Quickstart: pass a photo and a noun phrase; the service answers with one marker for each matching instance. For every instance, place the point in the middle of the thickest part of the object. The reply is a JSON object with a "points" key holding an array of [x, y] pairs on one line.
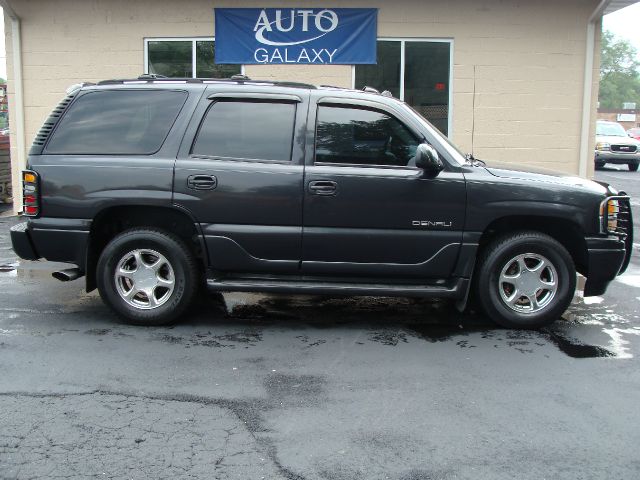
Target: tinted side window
{"points": [[247, 130], [362, 136], [133, 122]]}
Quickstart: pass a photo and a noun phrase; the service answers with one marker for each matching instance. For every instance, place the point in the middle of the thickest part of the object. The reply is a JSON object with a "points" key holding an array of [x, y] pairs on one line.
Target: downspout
{"points": [[18, 113], [585, 154]]}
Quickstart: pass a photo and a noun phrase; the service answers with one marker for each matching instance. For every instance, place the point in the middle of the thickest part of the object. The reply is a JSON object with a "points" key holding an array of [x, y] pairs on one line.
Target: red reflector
{"points": [[29, 199], [29, 210], [441, 87]]}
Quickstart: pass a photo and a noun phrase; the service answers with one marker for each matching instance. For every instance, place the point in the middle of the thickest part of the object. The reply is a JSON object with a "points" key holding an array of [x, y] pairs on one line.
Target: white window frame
{"points": [[193, 41], [403, 41]]}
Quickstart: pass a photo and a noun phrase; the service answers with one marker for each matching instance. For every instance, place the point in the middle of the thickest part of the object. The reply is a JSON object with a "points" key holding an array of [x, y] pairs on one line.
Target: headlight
{"points": [[613, 207], [603, 146]]}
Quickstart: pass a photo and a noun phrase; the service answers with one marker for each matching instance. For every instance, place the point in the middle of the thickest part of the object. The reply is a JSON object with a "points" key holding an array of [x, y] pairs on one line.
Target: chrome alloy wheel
{"points": [[144, 279], [528, 283]]}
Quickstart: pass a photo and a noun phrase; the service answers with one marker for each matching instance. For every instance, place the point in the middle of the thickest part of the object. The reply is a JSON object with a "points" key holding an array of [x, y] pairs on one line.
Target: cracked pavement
{"points": [[306, 388], [98, 434]]}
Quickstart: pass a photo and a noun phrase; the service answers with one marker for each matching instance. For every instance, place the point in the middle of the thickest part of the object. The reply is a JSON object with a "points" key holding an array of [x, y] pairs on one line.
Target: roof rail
{"points": [[240, 79], [150, 76], [370, 90]]}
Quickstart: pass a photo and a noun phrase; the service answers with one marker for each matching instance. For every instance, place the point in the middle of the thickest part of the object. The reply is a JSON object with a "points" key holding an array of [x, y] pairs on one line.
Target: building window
{"points": [[415, 71], [185, 58]]}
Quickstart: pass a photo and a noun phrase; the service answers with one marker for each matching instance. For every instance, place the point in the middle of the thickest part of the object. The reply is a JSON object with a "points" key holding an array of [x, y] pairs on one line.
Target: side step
{"points": [[455, 289]]}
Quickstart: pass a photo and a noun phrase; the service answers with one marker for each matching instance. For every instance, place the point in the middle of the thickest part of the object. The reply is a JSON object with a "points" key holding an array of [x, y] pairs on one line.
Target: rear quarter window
{"points": [[117, 122]]}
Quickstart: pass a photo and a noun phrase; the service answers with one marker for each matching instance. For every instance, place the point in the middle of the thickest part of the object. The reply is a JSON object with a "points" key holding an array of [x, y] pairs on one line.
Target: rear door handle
{"points": [[202, 182], [323, 187]]}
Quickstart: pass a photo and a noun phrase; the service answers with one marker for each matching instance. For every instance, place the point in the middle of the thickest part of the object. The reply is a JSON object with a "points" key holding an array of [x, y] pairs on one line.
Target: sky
{"points": [[624, 23]]}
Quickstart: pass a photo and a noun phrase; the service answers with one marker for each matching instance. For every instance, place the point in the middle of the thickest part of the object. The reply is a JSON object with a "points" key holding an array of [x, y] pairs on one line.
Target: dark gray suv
{"points": [[154, 187]]}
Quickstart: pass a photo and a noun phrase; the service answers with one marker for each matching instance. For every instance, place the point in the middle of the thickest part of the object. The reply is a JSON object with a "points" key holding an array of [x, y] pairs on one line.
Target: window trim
{"points": [[193, 40], [359, 106], [247, 99], [403, 41]]}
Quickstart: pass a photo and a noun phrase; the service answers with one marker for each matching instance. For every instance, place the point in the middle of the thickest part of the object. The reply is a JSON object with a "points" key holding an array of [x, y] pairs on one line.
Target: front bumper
{"points": [[22, 243], [606, 258], [617, 158]]}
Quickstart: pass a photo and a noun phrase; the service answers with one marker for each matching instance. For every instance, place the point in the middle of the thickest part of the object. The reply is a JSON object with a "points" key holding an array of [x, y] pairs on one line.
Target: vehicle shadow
{"points": [[243, 319], [392, 321]]}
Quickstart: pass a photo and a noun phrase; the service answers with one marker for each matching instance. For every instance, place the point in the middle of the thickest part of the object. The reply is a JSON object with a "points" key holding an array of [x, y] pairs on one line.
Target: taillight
{"points": [[30, 193]]}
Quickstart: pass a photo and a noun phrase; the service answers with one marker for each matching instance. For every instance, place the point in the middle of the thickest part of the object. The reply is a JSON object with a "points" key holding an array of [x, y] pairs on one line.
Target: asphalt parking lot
{"points": [[256, 386]]}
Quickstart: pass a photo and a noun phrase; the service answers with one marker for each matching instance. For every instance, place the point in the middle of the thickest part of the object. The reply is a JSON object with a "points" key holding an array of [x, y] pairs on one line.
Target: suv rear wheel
{"points": [[525, 280], [147, 276]]}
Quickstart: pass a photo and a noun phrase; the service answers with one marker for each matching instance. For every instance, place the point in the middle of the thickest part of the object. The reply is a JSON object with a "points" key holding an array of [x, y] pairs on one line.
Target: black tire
{"points": [[599, 165], [633, 167], [180, 259], [499, 254]]}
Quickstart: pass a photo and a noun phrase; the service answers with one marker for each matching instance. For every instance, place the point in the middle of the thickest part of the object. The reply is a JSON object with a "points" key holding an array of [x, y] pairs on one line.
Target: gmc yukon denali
{"points": [[152, 188]]}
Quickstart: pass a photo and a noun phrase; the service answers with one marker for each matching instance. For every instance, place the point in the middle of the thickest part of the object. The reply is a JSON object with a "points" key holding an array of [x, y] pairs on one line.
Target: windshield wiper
{"points": [[473, 161]]}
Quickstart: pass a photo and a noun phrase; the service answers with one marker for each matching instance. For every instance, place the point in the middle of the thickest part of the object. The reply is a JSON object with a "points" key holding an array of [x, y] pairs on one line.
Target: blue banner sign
{"points": [[316, 36]]}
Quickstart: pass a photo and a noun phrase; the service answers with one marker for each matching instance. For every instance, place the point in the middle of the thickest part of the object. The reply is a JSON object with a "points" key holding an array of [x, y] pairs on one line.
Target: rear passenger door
{"points": [[239, 173]]}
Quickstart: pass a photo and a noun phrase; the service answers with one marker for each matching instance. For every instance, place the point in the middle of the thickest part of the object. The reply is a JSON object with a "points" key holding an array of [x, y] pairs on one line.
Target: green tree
{"points": [[619, 72]]}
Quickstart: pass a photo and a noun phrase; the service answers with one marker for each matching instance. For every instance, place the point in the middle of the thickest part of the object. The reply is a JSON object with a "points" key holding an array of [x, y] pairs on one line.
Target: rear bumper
{"points": [[606, 258], [21, 242], [57, 240]]}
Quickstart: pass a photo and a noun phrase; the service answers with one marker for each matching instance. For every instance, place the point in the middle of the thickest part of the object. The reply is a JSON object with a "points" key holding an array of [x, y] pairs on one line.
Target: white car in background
{"points": [[613, 145]]}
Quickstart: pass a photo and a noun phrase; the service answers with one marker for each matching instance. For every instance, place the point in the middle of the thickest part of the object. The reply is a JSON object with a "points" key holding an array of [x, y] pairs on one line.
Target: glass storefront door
{"points": [[415, 71]]}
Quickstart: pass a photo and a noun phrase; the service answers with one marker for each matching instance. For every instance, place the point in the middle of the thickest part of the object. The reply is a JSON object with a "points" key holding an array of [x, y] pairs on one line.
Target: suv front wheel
{"points": [[147, 276], [525, 280]]}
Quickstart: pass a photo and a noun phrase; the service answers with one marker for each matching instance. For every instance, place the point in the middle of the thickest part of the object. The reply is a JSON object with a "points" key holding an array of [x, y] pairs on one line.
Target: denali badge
{"points": [[429, 223]]}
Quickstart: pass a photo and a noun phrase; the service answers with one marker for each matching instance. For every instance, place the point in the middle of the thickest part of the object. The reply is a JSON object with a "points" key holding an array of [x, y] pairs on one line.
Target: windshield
{"points": [[444, 141], [610, 130]]}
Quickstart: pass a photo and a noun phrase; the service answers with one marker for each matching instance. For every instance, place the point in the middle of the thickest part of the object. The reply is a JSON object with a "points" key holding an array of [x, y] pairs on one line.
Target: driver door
{"points": [[368, 211]]}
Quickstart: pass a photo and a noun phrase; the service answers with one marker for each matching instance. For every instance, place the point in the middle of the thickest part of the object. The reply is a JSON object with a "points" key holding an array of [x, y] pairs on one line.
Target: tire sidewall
{"points": [[489, 282], [151, 240]]}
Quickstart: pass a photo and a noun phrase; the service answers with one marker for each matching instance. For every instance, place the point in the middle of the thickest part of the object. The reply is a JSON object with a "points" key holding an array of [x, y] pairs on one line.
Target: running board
{"points": [[456, 288]]}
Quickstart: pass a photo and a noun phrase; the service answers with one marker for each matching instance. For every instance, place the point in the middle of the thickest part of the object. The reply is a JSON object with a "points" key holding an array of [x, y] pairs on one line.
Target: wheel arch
{"points": [[113, 220], [567, 232]]}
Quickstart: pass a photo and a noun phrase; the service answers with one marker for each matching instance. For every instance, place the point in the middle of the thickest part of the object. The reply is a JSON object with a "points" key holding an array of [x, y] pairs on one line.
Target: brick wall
{"points": [[524, 60]]}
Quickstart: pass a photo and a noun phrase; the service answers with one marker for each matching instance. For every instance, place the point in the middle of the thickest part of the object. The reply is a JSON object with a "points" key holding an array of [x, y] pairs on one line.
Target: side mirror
{"points": [[428, 161]]}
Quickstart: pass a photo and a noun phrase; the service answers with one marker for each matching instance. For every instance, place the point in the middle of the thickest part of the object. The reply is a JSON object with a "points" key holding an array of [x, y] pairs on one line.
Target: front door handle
{"points": [[323, 187], [202, 182]]}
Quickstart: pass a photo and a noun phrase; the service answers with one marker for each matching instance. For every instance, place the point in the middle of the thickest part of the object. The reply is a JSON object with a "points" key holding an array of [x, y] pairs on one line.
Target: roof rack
{"points": [[370, 90], [150, 76], [240, 79]]}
